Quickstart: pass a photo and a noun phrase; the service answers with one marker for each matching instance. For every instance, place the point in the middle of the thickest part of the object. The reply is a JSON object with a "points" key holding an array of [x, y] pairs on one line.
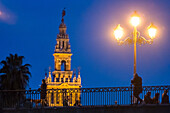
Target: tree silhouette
{"points": [[14, 76]]}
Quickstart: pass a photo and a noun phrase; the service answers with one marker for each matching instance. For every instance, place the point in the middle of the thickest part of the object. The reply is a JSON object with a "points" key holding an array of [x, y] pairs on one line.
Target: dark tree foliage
{"points": [[13, 76]]}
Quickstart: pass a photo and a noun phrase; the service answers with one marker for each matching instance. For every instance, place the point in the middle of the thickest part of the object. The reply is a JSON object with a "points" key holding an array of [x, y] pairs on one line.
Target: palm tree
{"points": [[14, 75]]}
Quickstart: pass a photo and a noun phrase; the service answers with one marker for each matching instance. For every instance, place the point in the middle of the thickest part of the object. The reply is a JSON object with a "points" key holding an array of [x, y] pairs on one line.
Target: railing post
{"points": [[30, 96]]}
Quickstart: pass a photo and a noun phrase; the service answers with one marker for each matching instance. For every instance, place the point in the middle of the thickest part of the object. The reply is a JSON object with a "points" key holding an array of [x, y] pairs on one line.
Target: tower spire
{"points": [[49, 77], [78, 71], [74, 72], [79, 78], [63, 45]]}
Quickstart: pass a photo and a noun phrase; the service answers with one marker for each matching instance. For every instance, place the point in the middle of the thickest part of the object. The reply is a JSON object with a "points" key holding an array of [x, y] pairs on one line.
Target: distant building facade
{"points": [[62, 77]]}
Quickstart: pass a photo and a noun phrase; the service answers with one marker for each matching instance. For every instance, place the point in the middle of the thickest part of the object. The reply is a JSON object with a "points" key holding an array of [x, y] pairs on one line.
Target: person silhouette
{"points": [[165, 97], [43, 92], [155, 99], [137, 83], [147, 98]]}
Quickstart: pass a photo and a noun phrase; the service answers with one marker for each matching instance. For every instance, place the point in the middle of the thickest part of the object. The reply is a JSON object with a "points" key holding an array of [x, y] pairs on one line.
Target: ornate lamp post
{"points": [[135, 38]]}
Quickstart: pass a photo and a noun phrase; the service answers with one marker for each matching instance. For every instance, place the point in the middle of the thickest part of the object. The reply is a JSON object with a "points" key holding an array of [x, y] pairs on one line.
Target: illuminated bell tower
{"points": [[62, 56], [61, 77]]}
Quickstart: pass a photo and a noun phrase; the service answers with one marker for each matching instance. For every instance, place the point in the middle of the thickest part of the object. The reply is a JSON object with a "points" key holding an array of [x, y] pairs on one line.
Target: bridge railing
{"points": [[85, 96], [106, 96]]}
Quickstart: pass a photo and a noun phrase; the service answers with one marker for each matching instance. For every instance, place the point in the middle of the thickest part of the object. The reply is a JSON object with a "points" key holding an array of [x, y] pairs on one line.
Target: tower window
{"points": [[71, 98], [76, 97], [63, 44], [67, 45], [52, 98], [62, 80], [63, 65], [62, 31], [59, 44], [57, 97], [66, 79], [57, 79]]}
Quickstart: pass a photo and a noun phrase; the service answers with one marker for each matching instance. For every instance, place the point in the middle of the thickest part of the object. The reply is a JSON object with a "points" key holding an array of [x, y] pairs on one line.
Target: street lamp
{"points": [[118, 32], [135, 19], [135, 38]]}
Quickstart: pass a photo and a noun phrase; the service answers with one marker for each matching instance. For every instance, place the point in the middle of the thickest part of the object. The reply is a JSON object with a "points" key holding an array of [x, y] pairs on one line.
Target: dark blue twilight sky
{"points": [[29, 28]]}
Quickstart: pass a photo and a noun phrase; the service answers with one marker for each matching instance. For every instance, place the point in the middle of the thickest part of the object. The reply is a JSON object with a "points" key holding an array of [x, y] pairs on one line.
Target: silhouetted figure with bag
{"points": [[147, 98], [155, 99], [43, 92], [137, 83], [165, 97]]}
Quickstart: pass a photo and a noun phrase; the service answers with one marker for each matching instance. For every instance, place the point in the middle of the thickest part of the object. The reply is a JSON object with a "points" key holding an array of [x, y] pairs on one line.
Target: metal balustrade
{"points": [[88, 96]]}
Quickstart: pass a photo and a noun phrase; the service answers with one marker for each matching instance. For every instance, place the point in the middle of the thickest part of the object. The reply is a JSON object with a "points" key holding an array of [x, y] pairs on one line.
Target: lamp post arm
{"points": [[142, 41], [128, 41]]}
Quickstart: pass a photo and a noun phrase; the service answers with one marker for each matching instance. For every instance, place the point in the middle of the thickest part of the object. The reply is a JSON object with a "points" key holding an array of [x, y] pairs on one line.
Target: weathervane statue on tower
{"points": [[63, 14]]}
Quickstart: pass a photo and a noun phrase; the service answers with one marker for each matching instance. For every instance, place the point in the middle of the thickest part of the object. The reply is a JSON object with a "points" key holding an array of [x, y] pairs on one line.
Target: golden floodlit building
{"points": [[62, 77]]}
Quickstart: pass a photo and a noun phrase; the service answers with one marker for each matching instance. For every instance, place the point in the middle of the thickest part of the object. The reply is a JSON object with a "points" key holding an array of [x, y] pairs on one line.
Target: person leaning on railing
{"points": [[147, 98], [137, 82], [165, 97], [155, 99]]}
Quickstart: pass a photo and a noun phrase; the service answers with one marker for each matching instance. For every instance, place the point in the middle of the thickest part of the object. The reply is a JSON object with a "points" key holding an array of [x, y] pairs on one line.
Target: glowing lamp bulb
{"points": [[118, 32], [135, 19], [152, 31]]}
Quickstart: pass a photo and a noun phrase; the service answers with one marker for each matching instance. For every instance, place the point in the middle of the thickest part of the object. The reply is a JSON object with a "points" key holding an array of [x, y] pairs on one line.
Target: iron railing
{"points": [[86, 96]]}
